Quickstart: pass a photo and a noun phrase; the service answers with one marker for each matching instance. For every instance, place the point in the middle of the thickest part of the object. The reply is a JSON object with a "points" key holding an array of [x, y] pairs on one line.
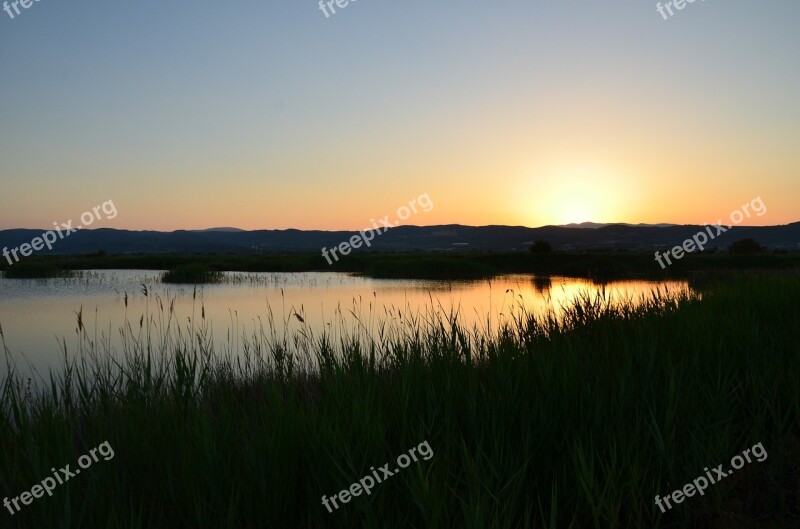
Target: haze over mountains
{"points": [[447, 238]]}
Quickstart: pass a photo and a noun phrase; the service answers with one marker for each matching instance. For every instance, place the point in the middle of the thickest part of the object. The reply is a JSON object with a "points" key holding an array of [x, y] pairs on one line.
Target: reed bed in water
{"points": [[573, 420]]}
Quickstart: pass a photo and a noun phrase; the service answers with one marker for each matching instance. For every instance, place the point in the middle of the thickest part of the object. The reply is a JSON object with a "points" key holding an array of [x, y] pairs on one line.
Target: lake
{"points": [[40, 317]]}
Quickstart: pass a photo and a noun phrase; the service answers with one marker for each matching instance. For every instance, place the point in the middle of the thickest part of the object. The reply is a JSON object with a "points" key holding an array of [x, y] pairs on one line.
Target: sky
{"points": [[270, 115]]}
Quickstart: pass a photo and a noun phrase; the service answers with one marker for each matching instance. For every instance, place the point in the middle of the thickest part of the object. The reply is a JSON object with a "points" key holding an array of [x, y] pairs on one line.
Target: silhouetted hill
{"points": [[452, 237], [226, 229], [595, 225]]}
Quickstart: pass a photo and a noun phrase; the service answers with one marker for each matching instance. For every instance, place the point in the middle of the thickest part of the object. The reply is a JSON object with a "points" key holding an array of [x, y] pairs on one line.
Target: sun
{"points": [[572, 195], [577, 210], [574, 201]]}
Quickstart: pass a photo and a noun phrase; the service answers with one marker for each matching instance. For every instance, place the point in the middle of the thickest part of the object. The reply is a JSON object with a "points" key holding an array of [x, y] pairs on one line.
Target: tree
{"points": [[541, 247], [746, 246]]}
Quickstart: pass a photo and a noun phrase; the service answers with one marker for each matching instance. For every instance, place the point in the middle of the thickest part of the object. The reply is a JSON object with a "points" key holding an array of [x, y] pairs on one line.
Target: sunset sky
{"points": [[268, 115]]}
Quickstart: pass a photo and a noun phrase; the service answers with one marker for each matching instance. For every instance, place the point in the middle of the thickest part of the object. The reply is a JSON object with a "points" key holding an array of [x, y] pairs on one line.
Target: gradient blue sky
{"points": [[268, 115]]}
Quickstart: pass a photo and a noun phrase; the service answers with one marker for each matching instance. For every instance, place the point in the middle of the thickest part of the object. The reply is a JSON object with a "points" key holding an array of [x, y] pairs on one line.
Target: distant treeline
{"points": [[601, 265]]}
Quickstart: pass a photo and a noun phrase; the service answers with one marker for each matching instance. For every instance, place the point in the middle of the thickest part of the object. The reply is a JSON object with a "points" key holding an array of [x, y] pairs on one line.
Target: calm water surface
{"points": [[39, 316]]}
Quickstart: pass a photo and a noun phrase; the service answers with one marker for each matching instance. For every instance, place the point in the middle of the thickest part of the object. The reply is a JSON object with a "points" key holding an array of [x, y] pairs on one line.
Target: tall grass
{"points": [[191, 274], [35, 270], [556, 421], [423, 265]]}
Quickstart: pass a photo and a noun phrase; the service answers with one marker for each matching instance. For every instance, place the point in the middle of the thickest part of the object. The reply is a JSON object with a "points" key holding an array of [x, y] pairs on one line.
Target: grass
{"points": [[35, 269], [405, 266], [574, 422], [597, 265], [193, 273]]}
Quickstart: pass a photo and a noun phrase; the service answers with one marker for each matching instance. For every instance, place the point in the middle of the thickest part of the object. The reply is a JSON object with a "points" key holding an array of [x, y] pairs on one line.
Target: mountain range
{"points": [[453, 237]]}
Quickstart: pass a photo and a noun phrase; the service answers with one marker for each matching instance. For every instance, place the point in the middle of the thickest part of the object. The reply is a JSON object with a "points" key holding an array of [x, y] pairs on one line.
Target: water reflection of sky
{"points": [[39, 315]]}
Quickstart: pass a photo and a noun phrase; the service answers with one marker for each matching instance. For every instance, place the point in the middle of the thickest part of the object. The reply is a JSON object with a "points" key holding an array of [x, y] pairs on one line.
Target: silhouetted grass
{"points": [[192, 274], [35, 269], [574, 422], [595, 265], [428, 267]]}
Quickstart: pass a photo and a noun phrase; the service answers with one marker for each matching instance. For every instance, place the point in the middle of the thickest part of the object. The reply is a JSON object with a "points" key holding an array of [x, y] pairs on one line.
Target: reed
{"points": [[191, 274], [574, 419]]}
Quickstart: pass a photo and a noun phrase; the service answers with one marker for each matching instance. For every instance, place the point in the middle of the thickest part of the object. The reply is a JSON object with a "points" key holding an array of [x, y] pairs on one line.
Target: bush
{"points": [[541, 247], [746, 246]]}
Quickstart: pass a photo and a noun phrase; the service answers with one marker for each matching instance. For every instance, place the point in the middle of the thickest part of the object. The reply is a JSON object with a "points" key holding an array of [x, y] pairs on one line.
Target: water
{"points": [[39, 317]]}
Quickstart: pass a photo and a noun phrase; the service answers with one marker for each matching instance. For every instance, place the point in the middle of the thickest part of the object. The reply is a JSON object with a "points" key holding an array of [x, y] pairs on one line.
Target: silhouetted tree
{"points": [[541, 247], [542, 284], [746, 246]]}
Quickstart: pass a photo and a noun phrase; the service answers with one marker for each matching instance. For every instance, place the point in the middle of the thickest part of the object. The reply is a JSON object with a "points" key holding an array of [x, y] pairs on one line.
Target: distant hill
{"points": [[595, 225], [219, 229], [452, 237]]}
